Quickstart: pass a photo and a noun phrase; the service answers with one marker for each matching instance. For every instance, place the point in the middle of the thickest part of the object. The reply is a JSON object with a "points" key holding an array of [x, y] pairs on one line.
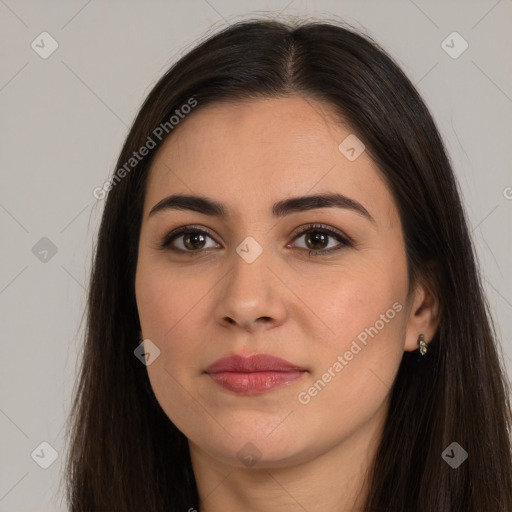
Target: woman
{"points": [[285, 311]]}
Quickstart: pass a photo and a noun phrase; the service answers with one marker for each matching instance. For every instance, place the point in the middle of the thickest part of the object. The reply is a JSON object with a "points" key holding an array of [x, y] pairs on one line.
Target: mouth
{"points": [[255, 374]]}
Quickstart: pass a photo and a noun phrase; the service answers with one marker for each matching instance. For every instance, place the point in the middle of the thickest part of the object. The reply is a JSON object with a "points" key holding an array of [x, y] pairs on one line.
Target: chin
{"points": [[252, 450]]}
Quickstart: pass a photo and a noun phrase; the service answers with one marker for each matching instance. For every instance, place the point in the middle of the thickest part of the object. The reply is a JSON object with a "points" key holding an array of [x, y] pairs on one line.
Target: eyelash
{"points": [[344, 240]]}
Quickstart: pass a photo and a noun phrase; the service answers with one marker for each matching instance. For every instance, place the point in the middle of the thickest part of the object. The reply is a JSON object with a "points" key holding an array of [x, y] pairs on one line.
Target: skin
{"points": [[305, 309]]}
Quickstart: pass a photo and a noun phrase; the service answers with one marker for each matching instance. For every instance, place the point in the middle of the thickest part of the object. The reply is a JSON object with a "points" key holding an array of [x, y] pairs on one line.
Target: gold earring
{"points": [[423, 345]]}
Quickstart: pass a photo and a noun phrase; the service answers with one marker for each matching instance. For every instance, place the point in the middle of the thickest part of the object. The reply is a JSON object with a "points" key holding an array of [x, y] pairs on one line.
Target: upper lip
{"points": [[254, 363]]}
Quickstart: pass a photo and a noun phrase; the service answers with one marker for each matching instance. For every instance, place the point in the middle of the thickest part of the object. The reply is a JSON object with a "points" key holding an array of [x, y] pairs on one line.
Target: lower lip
{"points": [[255, 382]]}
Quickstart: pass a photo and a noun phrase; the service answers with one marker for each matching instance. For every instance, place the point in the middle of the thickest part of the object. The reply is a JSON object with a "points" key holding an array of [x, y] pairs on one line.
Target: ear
{"points": [[424, 314]]}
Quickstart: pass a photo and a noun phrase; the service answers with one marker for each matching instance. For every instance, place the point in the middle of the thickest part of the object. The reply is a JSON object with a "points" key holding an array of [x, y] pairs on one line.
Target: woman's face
{"points": [[243, 283]]}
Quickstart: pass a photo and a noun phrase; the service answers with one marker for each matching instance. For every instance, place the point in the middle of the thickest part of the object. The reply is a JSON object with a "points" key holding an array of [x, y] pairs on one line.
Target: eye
{"points": [[188, 239], [316, 238]]}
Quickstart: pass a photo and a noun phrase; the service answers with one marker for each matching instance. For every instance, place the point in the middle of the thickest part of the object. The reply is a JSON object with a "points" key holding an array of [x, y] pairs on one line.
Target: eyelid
{"points": [[185, 229], [343, 239], [324, 228]]}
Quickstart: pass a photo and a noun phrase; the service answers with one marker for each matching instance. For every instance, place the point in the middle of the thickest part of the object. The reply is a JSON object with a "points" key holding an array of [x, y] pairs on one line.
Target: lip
{"points": [[255, 374]]}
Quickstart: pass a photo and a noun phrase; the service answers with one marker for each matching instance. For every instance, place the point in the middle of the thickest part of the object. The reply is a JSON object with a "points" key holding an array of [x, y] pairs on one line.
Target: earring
{"points": [[422, 344]]}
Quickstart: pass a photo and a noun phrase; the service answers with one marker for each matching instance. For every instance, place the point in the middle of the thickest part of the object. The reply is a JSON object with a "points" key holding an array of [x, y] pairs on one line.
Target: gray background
{"points": [[63, 120]]}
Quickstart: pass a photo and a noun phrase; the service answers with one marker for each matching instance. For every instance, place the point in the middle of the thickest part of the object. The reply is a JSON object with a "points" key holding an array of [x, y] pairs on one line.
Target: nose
{"points": [[251, 297]]}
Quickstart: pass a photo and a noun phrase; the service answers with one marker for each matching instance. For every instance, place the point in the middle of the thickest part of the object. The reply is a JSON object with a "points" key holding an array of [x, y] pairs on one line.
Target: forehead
{"points": [[252, 131], [264, 148]]}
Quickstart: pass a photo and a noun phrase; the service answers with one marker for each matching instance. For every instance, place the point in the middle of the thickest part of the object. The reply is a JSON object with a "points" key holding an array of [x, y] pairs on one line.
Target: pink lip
{"points": [[254, 374]]}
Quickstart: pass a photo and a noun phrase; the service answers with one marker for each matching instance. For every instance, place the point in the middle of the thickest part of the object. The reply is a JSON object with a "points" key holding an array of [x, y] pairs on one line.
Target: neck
{"points": [[334, 480]]}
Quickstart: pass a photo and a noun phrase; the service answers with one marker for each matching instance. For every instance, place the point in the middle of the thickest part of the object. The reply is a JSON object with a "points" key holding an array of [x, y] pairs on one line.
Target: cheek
{"points": [[165, 299], [168, 306], [167, 303], [365, 298], [365, 306], [356, 366]]}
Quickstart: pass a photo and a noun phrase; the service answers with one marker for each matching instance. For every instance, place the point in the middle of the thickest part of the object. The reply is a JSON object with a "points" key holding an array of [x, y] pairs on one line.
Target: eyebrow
{"points": [[282, 208]]}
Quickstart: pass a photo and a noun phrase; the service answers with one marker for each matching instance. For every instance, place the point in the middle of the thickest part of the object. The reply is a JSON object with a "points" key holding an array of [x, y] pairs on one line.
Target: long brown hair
{"points": [[126, 455]]}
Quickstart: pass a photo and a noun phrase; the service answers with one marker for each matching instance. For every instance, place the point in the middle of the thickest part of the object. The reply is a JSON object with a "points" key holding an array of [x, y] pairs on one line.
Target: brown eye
{"points": [[316, 240], [188, 240], [194, 241], [319, 239]]}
